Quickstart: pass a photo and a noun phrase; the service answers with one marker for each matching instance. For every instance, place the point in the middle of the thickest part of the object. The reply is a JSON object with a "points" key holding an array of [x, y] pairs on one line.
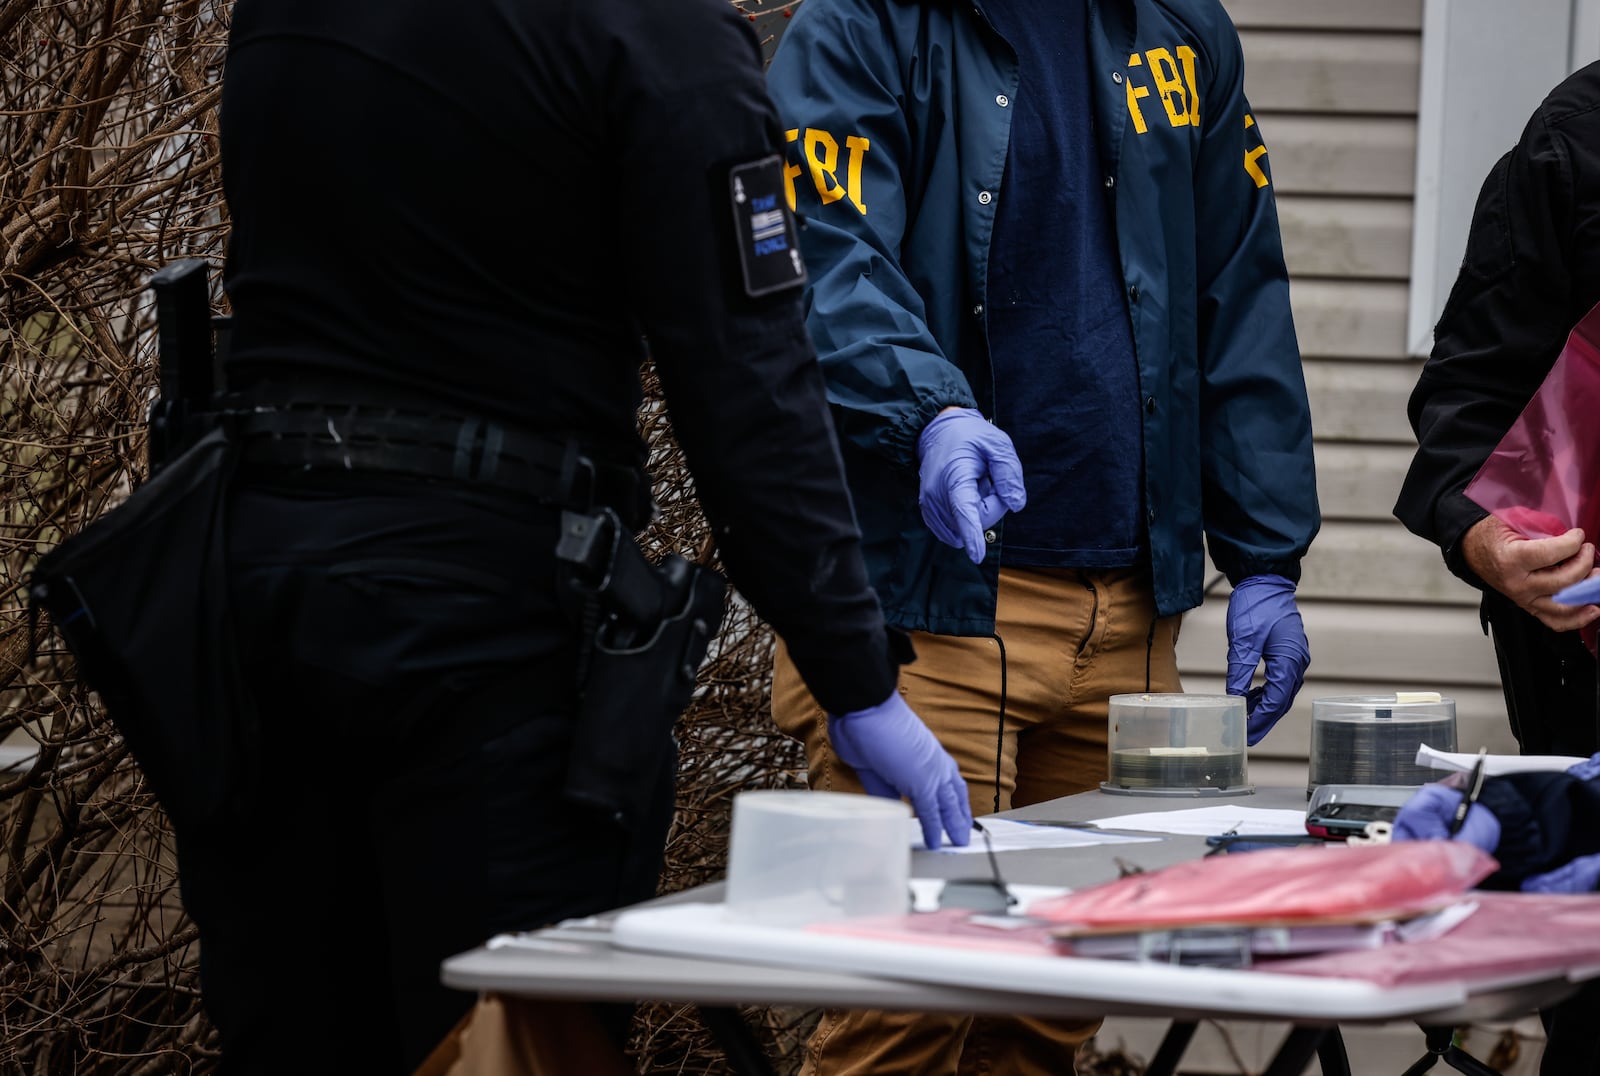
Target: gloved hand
{"points": [[896, 756], [1264, 622], [970, 476], [1586, 770], [1581, 875], [1427, 815]]}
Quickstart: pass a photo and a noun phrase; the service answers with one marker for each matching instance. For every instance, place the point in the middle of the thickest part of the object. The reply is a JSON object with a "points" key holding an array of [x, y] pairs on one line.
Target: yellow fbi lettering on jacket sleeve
{"points": [[822, 157], [1253, 155]]}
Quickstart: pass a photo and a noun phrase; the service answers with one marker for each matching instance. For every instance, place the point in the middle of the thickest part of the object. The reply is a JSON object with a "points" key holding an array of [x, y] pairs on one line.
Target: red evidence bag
{"points": [[1543, 478], [1277, 887]]}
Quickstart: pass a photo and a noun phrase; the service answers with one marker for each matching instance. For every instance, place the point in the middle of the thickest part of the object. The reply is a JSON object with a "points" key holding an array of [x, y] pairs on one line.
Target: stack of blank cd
{"points": [[1373, 739], [1176, 744]]}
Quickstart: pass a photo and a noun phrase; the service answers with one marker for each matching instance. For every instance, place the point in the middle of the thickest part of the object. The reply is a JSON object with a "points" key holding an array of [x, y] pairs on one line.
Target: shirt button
{"points": [[991, 536], [1133, 293], [1002, 100], [1116, 76], [1111, 181], [984, 197], [977, 311], [1150, 404], [1151, 515]]}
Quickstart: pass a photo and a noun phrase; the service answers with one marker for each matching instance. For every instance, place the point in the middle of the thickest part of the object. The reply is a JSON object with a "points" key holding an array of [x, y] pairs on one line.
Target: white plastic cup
{"points": [[806, 857]]}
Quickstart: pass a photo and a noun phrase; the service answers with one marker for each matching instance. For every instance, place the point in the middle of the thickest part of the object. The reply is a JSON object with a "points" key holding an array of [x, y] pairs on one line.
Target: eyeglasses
{"points": [[986, 896]]}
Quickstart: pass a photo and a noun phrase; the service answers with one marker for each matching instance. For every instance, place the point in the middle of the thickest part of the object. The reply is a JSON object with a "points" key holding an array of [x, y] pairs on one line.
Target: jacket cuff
{"points": [[856, 673], [1241, 570], [1454, 517], [901, 438]]}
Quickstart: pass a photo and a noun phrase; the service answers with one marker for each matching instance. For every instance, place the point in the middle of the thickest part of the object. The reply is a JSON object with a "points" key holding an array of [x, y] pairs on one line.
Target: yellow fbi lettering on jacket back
{"points": [[822, 154]]}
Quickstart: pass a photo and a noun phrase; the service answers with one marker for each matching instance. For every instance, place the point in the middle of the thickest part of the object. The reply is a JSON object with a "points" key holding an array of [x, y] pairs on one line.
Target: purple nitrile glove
{"points": [[896, 756], [1427, 815], [1263, 622], [1579, 876], [1587, 770], [1586, 592], [970, 477]]}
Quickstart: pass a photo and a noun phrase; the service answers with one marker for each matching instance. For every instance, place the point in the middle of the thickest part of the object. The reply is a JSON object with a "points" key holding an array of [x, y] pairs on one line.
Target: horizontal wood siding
{"points": [[1332, 72], [1346, 238], [1365, 15], [1344, 155], [1334, 86], [1432, 647], [1360, 401], [1353, 319], [1359, 482], [1379, 562]]}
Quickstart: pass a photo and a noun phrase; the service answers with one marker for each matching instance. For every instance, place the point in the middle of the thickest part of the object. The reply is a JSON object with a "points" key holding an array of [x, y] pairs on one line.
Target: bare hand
{"points": [[1529, 570]]}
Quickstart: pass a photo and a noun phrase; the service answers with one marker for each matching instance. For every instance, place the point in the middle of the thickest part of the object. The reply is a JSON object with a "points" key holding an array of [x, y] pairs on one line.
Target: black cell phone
{"points": [[1347, 818], [1340, 812]]}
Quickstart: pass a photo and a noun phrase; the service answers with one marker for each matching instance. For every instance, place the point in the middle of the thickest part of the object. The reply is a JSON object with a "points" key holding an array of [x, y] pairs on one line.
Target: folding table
{"points": [[677, 949]]}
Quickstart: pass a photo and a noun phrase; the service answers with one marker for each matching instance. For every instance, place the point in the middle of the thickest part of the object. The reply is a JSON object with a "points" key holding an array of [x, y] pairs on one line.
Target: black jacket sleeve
{"points": [[688, 101], [1524, 283], [1546, 820]]}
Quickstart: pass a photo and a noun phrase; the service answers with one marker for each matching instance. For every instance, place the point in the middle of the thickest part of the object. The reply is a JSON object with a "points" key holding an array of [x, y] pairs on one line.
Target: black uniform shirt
{"points": [[492, 201], [1531, 271]]}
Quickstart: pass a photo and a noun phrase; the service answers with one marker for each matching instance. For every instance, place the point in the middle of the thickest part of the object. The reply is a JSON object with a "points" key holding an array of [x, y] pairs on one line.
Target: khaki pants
{"points": [[1066, 640]]}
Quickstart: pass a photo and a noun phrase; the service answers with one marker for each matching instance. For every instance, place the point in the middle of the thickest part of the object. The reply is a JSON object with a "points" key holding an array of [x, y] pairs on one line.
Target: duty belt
{"points": [[468, 451]]}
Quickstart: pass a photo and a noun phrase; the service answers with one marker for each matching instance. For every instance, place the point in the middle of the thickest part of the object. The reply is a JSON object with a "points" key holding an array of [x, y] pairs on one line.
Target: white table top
{"points": [[670, 946]]}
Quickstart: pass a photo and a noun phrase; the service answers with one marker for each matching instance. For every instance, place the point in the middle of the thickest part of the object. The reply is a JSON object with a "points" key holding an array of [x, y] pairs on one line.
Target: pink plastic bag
{"points": [[1510, 936], [1543, 478], [1285, 886]]}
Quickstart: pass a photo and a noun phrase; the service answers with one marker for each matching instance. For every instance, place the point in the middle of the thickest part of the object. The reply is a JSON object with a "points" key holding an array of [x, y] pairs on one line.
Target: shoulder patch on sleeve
{"points": [[764, 228]]}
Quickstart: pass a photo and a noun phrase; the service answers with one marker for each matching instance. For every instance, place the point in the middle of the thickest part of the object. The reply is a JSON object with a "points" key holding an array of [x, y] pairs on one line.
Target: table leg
{"points": [[738, 1042], [1170, 1052], [1301, 1045], [1442, 1047], [1335, 1062]]}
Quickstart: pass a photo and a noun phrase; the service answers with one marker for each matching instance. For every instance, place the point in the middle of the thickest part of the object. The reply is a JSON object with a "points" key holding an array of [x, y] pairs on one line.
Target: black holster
{"points": [[140, 596], [643, 631]]}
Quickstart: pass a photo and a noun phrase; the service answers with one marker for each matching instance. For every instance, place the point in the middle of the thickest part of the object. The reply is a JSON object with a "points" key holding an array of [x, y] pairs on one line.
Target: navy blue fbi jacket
{"points": [[612, 175], [898, 114]]}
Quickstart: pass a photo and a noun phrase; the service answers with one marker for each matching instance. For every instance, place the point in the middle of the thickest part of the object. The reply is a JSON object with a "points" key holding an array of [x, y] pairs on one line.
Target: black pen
{"points": [[1470, 796]]}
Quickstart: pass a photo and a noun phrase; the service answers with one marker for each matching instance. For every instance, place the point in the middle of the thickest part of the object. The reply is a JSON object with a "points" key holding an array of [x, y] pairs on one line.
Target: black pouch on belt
{"points": [[644, 630], [140, 598]]}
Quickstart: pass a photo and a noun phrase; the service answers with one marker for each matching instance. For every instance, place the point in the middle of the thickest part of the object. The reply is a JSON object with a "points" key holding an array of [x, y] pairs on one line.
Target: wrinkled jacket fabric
{"points": [[898, 117], [1531, 270], [1546, 820]]}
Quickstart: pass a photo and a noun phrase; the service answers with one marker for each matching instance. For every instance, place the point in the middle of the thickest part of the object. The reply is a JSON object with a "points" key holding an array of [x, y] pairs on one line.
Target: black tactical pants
{"points": [[414, 683], [1549, 682]]}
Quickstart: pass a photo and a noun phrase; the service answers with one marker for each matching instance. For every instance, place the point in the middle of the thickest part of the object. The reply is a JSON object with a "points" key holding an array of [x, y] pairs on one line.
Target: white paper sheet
{"points": [[1494, 765], [1011, 836], [1211, 821]]}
